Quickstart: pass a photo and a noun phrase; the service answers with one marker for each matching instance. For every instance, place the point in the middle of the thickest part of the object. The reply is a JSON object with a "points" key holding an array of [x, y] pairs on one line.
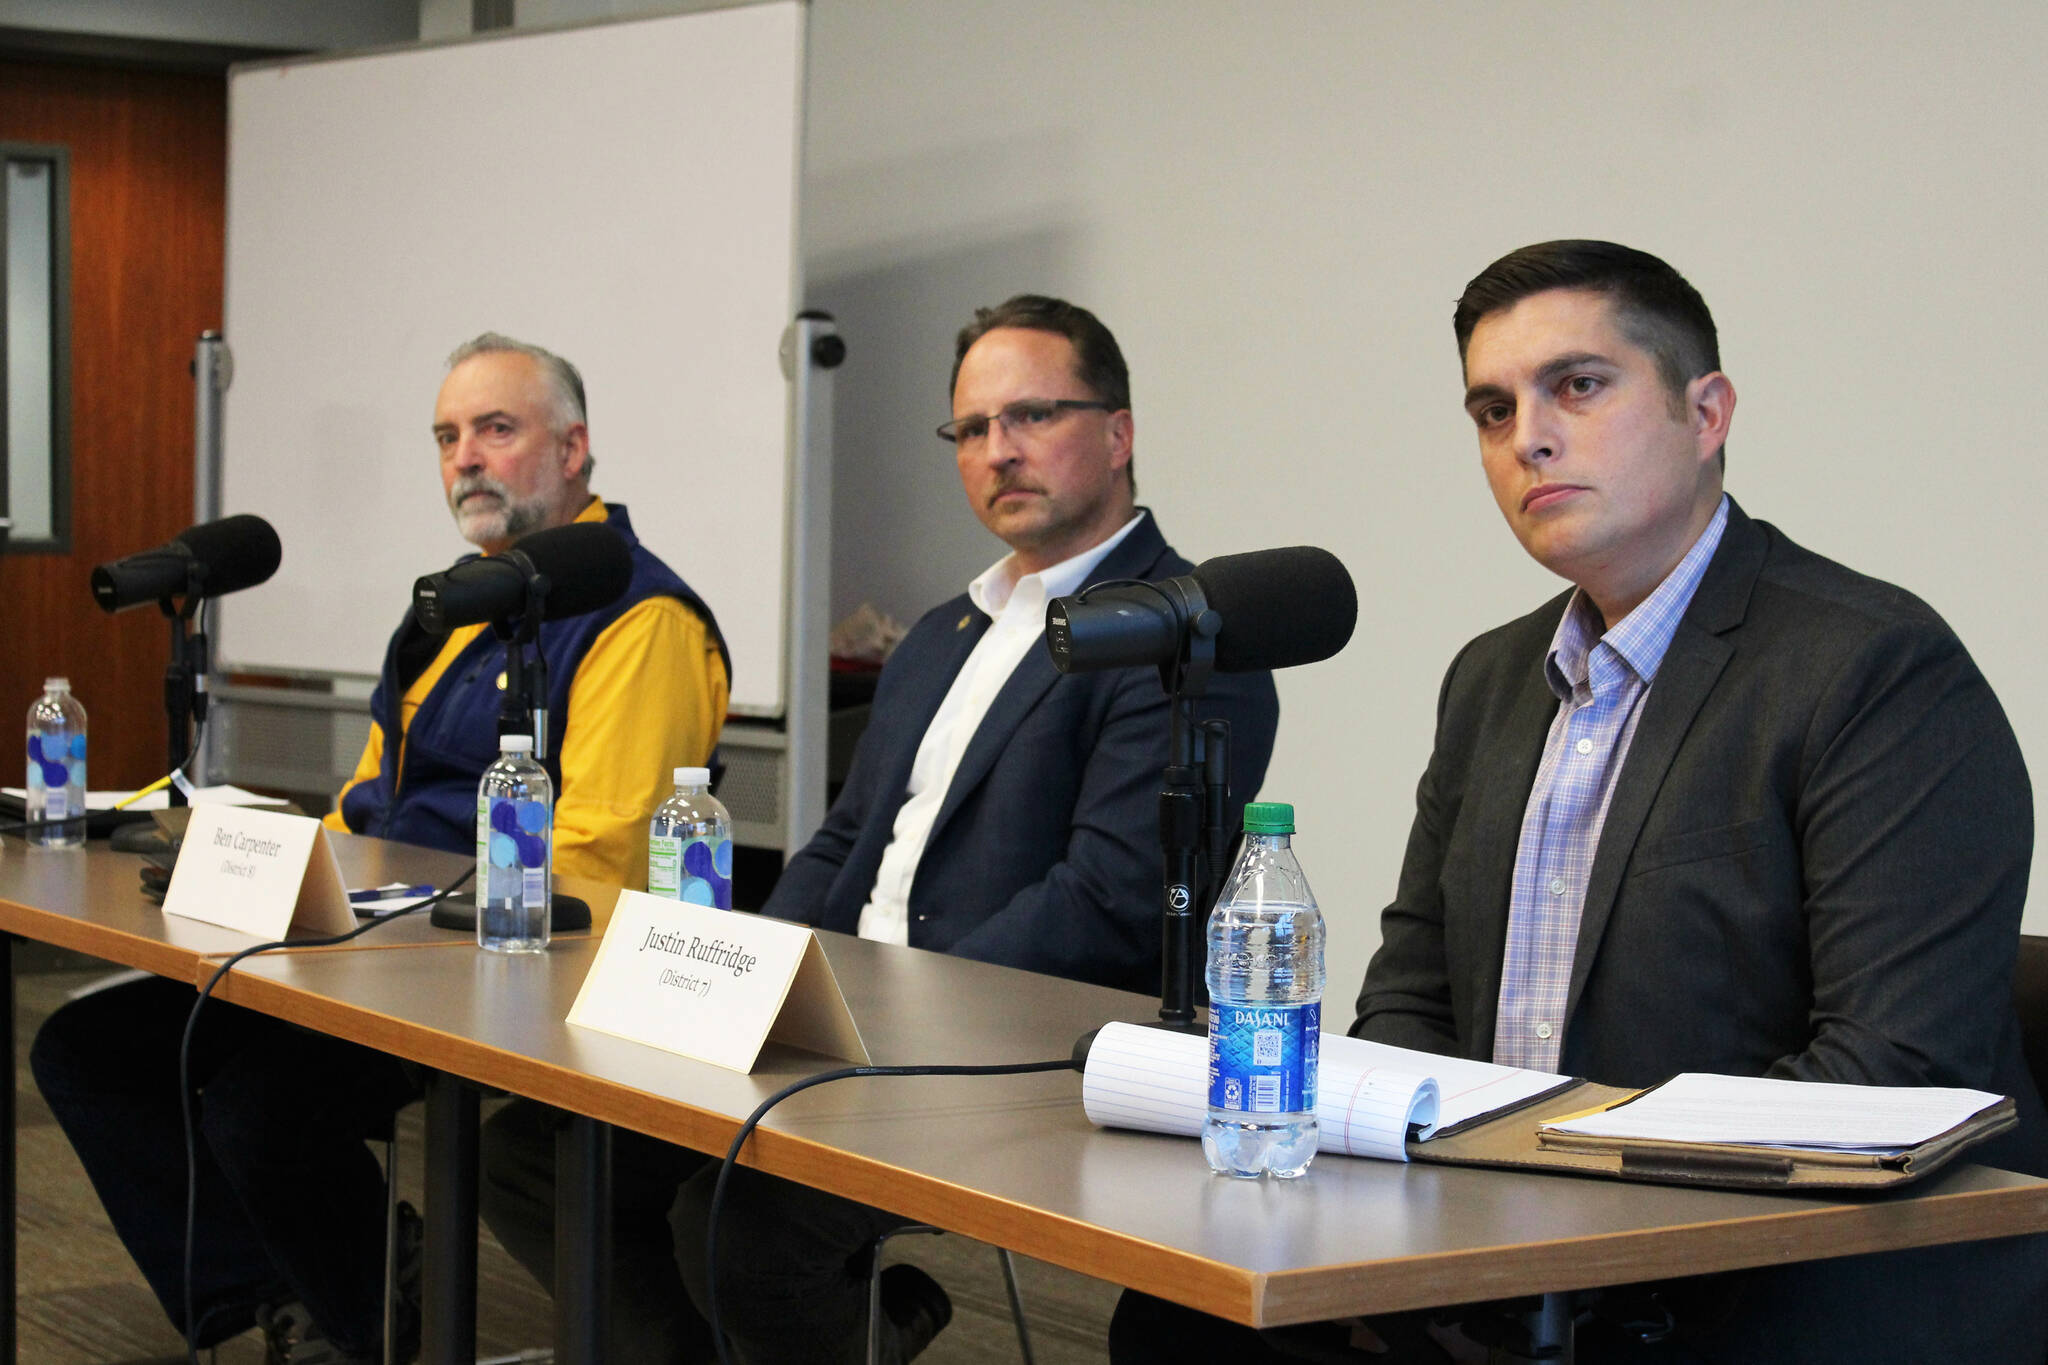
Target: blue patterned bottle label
{"points": [[514, 847], [695, 870], [1262, 1058]]}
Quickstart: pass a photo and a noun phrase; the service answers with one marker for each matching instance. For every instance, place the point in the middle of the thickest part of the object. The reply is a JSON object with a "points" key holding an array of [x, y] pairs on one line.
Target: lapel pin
{"points": [[964, 620]]}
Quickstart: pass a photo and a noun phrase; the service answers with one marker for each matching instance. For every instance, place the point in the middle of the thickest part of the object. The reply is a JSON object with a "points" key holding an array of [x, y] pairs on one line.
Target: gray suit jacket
{"points": [[1813, 864]]}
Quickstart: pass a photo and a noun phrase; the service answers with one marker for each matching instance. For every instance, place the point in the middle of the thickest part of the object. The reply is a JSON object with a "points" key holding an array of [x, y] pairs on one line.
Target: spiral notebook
{"points": [[1735, 1132]]}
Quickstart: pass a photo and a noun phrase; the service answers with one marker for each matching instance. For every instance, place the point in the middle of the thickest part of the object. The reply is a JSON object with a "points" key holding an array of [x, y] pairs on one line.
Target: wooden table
{"points": [[1012, 1160], [89, 899], [1008, 1160]]}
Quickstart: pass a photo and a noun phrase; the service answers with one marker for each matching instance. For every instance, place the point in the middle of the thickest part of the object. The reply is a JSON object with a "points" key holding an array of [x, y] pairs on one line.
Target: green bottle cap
{"points": [[1269, 817]]}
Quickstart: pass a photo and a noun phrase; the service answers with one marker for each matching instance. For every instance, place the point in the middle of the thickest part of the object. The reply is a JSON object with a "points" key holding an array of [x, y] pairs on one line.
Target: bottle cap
{"points": [[516, 744], [56, 684], [693, 777], [1269, 817]]}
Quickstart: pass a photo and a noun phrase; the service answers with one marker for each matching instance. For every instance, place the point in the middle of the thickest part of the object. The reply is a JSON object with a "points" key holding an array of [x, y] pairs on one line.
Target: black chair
{"points": [[875, 1291], [2030, 999]]}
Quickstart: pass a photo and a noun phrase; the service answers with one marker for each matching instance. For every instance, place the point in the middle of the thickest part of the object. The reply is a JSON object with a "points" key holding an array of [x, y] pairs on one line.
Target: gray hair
{"points": [[565, 385]]}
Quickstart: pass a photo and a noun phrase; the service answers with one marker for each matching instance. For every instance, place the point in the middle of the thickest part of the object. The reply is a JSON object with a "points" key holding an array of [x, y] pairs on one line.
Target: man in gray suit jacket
{"points": [[1726, 806]]}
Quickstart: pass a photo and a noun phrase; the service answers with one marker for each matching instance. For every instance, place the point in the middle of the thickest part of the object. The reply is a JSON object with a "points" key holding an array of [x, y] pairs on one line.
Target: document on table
{"points": [[1760, 1111], [1370, 1098], [161, 800]]}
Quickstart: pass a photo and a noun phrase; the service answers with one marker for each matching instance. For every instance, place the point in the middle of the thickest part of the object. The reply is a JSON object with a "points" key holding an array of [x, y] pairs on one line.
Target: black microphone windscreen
{"points": [[213, 558], [238, 552], [1280, 608], [588, 565]]}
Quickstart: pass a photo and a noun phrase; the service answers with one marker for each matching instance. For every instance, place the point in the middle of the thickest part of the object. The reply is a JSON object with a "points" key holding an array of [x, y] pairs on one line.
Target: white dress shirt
{"points": [[1015, 606]]}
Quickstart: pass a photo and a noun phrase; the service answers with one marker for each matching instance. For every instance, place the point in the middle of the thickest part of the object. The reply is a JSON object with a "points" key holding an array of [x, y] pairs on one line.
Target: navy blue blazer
{"points": [[1045, 854]]}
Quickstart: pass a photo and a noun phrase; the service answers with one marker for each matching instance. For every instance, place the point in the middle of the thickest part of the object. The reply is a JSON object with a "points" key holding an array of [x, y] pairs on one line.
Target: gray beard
{"points": [[507, 520]]}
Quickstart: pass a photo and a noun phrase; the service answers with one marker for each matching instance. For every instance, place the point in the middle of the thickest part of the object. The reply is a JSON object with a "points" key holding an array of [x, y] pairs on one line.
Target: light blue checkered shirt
{"points": [[1600, 685]]}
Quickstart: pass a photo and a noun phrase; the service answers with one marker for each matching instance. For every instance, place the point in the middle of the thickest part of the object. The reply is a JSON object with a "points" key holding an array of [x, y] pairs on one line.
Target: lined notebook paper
{"points": [[1370, 1098]]}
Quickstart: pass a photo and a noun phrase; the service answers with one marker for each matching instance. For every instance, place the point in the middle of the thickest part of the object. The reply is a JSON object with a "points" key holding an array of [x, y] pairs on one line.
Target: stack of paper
{"points": [[1370, 1098], [1756, 1111]]}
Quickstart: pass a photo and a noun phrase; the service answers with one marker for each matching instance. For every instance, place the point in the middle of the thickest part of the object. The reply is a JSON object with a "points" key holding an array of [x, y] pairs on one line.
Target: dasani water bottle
{"points": [[515, 807], [56, 766], [1265, 1006]]}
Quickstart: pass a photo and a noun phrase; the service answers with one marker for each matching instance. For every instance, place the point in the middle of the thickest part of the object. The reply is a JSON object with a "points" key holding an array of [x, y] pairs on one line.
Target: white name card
{"points": [[713, 985], [258, 871]]}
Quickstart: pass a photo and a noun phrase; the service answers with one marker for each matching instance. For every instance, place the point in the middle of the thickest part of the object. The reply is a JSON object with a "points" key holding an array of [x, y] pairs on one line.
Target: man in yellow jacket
{"points": [[289, 1227]]}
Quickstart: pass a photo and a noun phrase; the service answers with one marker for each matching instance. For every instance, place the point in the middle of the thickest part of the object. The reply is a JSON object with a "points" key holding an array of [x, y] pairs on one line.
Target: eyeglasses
{"points": [[1025, 417]]}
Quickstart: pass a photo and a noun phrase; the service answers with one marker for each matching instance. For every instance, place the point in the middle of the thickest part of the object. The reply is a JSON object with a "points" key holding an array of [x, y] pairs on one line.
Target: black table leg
{"points": [[448, 1293], [583, 1241]]}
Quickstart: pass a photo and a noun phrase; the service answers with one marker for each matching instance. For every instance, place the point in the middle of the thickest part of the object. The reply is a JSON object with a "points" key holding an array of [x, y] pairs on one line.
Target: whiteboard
{"points": [[623, 194]]}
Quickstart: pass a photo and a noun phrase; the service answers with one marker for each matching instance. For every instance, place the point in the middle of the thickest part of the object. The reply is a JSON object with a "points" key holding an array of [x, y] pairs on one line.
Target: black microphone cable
{"points": [[25, 826], [185, 1069], [732, 1153]]}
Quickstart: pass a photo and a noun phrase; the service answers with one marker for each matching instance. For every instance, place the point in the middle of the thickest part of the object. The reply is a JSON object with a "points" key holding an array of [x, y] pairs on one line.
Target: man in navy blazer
{"points": [[1726, 806], [996, 809], [1044, 852]]}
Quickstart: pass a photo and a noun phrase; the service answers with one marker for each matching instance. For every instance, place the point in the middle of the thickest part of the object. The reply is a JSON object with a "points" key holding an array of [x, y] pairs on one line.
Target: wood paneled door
{"points": [[148, 161]]}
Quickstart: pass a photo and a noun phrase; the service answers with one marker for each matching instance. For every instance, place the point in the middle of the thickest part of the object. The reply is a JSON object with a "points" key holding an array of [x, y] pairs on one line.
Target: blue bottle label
{"points": [[513, 844], [1262, 1058], [695, 870]]}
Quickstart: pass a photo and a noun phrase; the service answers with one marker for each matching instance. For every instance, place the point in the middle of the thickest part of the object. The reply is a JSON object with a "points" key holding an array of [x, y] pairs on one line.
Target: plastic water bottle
{"points": [[56, 765], [515, 816], [689, 844], [1265, 1007]]}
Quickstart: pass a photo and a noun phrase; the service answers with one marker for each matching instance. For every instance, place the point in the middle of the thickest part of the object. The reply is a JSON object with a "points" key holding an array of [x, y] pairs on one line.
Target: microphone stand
{"points": [[184, 675], [184, 707], [524, 711], [1194, 799], [525, 708]]}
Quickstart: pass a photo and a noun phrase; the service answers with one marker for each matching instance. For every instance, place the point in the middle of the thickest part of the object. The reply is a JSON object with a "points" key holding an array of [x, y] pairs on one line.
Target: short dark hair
{"points": [[1098, 361], [1655, 306]]}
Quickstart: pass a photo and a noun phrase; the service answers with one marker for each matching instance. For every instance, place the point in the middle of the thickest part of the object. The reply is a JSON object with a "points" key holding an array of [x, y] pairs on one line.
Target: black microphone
{"points": [[572, 569], [209, 560], [1267, 609], [1280, 608]]}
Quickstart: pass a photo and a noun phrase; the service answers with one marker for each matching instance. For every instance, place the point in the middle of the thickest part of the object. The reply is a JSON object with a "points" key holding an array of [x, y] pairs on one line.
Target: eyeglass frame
{"points": [[949, 431]]}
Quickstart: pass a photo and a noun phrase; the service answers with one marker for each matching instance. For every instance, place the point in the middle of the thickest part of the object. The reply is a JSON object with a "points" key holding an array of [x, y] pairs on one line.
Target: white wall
{"points": [[1274, 206]]}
